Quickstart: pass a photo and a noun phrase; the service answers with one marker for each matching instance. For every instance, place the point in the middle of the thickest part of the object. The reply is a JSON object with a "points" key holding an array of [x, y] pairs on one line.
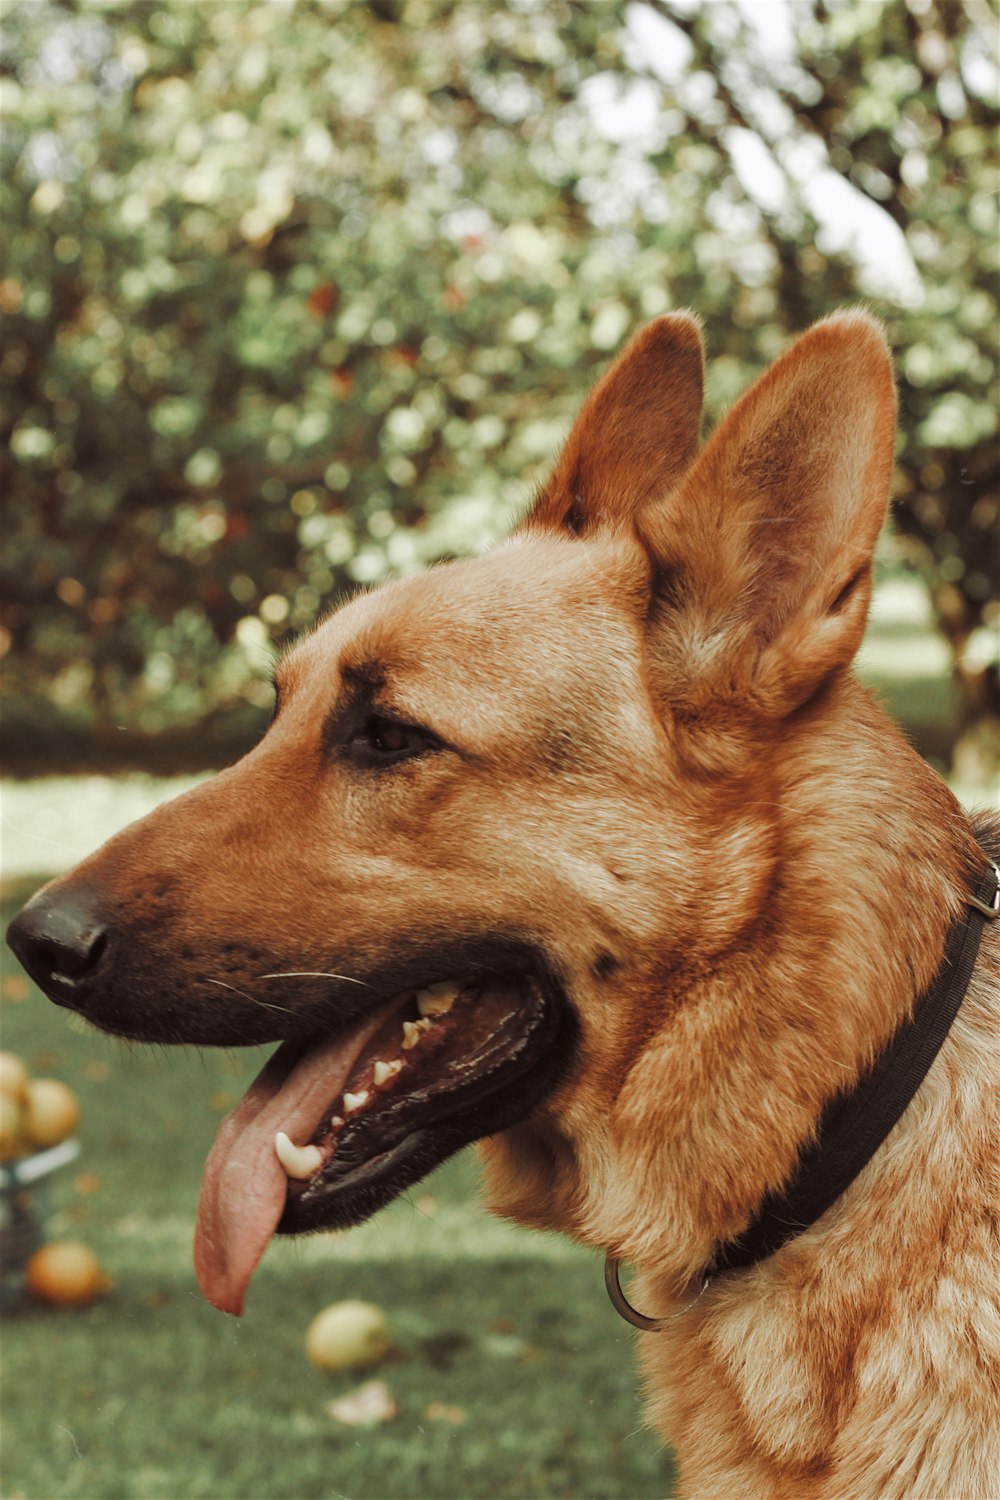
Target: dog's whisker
{"points": [[267, 1004], [315, 974], [224, 986]]}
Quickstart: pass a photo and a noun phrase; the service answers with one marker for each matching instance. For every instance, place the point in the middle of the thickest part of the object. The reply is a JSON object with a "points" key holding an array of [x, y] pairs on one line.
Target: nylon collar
{"points": [[854, 1125]]}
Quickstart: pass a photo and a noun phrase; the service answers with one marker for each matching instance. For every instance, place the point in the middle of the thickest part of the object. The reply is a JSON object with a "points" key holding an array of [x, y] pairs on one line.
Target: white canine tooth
{"points": [[355, 1101], [412, 1032], [299, 1162], [386, 1070], [437, 999]]}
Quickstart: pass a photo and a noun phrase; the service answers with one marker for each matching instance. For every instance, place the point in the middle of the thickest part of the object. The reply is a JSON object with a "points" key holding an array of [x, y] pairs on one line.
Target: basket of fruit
{"points": [[37, 1119]]}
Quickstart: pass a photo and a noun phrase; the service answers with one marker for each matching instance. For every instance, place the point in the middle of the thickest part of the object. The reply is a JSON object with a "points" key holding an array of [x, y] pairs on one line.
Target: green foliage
{"points": [[302, 295]]}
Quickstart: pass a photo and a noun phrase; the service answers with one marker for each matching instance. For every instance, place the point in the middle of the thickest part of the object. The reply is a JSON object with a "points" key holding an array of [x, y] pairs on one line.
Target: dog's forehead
{"points": [[523, 606]]}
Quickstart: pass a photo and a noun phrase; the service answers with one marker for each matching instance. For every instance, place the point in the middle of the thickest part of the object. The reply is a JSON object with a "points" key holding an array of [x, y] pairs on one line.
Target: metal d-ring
{"points": [[620, 1302], [623, 1306], [992, 908]]}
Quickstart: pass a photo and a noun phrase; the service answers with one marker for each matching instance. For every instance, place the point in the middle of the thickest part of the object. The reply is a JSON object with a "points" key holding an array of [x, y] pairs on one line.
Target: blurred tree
{"points": [[298, 295]]}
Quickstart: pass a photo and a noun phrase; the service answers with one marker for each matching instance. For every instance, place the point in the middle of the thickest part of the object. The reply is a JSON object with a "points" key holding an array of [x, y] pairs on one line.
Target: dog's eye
{"points": [[389, 737], [381, 741]]}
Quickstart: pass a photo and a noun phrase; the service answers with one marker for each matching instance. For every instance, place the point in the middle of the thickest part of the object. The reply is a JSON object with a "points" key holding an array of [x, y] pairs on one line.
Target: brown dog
{"points": [[593, 846]]}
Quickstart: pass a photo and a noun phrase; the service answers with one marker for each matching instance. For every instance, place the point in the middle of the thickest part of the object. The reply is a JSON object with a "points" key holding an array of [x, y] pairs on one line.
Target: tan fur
{"points": [[664, 775]]}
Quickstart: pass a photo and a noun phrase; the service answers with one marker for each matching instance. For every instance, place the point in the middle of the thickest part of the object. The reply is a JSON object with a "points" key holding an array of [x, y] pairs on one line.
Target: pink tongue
{"points": [[243, 1185]]}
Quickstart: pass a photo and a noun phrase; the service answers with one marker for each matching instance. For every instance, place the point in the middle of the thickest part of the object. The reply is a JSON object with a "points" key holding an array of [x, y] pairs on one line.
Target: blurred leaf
{"points": [[297, 300]]}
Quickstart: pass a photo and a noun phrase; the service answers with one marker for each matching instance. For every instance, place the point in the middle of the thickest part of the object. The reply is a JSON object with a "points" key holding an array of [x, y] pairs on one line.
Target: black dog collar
{"points": [[854, 1125]]}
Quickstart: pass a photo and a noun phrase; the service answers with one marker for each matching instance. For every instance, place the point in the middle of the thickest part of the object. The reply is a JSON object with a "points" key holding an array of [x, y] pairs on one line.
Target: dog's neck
{"points": [[875, 863], [872, 864], [854, 1125]]}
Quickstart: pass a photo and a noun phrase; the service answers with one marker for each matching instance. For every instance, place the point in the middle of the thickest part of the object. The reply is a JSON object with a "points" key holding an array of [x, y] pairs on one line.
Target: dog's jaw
{"points": [[480, 1057]]}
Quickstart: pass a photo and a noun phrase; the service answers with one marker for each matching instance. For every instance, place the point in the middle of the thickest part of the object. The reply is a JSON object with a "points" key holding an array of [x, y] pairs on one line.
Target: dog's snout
{"points": [[60, 939]]}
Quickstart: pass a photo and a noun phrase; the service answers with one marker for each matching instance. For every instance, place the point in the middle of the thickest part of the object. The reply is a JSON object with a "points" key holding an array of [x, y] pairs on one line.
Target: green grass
{"points": [[149, 1394]]}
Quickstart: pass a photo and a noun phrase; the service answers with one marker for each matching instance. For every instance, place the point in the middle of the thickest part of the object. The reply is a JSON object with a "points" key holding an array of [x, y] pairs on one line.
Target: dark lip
{"points": [[143, 994], [360, 1180]]}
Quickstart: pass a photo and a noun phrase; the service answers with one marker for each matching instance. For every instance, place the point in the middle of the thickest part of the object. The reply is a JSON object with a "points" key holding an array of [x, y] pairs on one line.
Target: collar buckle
{"points": [[991, 909]]}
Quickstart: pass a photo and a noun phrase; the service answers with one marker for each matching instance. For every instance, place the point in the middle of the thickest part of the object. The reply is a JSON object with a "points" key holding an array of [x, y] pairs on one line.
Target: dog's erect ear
{"points": [[635, 436], [764, 552]]}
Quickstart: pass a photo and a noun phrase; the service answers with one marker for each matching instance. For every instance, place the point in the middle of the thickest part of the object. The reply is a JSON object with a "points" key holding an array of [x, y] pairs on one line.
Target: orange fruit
{"points": [[66, 1274], [13, 1076], [11, 1126], [51, 1112]]}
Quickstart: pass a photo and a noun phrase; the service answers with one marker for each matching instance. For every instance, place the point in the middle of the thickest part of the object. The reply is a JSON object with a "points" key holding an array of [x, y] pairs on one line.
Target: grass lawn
{"points": [[512, 1373]]}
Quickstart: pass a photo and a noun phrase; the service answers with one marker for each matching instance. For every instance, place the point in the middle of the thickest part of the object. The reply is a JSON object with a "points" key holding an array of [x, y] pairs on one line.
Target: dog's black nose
{"points": [[60, 939]]}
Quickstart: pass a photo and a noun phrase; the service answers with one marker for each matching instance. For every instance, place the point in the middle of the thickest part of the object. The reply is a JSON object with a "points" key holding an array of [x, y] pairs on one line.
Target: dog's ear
{"points": [[764, 552], [636, 434]]}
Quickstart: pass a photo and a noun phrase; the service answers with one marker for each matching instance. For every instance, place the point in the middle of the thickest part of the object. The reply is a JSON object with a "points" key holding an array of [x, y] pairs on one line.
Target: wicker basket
{"points": [[24, 1186]]}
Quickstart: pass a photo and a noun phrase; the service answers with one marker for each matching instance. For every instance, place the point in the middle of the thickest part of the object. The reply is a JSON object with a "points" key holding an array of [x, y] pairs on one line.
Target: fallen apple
{"points": [[348, 1336], [13, 1076], [66, 1274], [51, 1112], [11, 1126]]}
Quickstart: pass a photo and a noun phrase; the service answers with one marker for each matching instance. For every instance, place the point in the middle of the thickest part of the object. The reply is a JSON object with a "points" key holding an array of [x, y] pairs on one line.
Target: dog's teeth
{"points": [[386, 1070], [355, 1101], [412, 1032], [299, 1162], [437, 999]]}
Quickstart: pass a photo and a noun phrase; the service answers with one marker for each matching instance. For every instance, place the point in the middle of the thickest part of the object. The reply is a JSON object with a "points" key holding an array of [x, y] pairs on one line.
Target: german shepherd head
{"points": [[591, 846]]}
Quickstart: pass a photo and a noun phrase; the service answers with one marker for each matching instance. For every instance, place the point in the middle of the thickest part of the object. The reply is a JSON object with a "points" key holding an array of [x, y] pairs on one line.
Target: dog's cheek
{"points": [[531, 1177]]}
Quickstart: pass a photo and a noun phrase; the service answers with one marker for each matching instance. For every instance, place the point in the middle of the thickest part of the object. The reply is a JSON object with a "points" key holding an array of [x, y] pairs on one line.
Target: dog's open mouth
{"points": [[333, 1128]]}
